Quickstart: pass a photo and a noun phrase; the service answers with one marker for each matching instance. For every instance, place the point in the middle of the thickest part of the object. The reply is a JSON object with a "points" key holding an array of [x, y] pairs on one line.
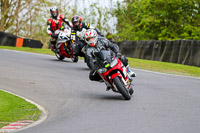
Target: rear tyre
{"points": [[119, 84]]}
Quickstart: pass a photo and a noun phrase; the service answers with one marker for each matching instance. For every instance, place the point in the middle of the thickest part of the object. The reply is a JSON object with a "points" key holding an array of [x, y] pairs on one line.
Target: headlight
{"points": [[114, 62], [102, 70], [63, 37]]}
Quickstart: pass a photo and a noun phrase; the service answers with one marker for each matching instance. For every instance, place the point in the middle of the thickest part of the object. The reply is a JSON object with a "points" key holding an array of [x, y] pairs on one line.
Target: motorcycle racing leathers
{"points": [[102, 44], [78, 36]]}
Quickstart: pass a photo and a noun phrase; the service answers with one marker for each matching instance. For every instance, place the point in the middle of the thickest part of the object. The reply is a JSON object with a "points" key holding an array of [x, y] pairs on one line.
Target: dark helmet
{"points": [[77, 22], [54, 12]]}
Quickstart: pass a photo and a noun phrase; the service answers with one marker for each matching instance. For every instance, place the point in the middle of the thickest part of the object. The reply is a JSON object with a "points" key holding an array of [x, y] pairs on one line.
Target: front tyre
{"points": [[72, 55], [119, 85], [60, 57]]}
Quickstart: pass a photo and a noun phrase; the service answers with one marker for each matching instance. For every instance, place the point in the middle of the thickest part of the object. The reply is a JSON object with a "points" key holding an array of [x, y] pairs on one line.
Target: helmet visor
{"points": [[54, 13], [76, 23], [90, 39]]}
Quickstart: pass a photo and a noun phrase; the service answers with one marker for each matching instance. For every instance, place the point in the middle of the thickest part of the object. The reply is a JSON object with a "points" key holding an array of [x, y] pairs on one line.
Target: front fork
{"points": [[66, 49], [126, 83]]}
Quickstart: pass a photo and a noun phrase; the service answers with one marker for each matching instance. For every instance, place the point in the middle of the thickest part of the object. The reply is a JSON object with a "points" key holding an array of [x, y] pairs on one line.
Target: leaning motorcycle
{"points": [[64, 45], [114, 73]]}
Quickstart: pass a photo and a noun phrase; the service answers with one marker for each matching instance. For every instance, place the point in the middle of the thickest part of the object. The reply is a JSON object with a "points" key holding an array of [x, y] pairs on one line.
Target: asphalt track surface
{"points": [[161, 103]]}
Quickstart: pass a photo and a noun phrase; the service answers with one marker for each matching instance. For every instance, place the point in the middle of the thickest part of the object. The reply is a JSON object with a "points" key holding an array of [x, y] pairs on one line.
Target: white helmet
{"points": [[91, 37], [54, 12]]}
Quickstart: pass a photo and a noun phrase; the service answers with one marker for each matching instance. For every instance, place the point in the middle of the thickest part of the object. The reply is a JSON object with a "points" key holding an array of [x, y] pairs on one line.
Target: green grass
{"points": [[13, 108], [157, 66], [165, 67], [32, 50]]}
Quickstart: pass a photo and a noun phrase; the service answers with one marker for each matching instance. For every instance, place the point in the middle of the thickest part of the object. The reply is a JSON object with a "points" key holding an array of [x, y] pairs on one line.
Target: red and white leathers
{"points": [[55, 24]]}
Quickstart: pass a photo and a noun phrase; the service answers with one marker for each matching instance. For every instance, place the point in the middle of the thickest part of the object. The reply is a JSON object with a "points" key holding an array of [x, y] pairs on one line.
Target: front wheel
{"points": [[119, 85], [72, 55]]}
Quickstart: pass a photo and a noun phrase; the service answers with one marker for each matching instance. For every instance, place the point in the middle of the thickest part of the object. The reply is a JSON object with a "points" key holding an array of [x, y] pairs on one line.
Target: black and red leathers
{"points": [[78, 31]]}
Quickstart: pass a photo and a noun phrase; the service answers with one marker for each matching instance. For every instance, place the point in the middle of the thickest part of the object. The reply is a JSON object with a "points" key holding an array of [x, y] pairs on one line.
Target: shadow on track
{"points": [[56, 60], [103, 96], [84, 69]]}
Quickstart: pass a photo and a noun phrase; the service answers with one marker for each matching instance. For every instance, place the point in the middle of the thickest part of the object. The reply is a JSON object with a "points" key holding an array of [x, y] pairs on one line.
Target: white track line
{"points": [[164, 73]]}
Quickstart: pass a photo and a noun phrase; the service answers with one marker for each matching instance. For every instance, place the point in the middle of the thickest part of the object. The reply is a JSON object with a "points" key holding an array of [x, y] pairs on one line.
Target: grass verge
{"points": [[157, 66], [26, 49], [13, 108], [165, 67]]}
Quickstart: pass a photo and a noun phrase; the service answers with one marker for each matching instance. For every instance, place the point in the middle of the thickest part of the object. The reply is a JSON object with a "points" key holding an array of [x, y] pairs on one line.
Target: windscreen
{"points": [[104, 57]]}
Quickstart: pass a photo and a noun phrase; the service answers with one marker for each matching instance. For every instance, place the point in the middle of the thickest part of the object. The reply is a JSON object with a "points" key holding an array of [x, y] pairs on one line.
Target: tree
{"points": [[28, 18], [98, 16], [10, 9], [158, 19], [16, 14]]}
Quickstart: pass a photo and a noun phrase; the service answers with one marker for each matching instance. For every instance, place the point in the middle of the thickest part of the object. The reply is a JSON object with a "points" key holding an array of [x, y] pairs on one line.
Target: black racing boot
{"points": [[108, 88]]}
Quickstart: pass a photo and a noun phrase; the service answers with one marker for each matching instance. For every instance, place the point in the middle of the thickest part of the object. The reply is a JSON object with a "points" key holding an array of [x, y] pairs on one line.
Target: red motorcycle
{"points": [[64, 45], [114, 73]]}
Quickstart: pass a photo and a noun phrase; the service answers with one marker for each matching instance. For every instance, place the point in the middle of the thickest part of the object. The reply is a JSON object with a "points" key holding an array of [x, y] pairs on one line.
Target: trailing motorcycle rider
{"points": [[54, 23], [78, 31], [96, 44]]}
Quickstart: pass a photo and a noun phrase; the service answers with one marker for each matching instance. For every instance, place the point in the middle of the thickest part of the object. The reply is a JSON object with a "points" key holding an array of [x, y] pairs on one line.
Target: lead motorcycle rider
{"points": [[78, 31], [96, 44], [54, 23]]}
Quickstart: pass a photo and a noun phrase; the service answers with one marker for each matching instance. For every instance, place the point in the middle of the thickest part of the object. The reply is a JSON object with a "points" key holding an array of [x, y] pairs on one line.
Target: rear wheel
{"points": [[72, 55], [119, 84]]}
